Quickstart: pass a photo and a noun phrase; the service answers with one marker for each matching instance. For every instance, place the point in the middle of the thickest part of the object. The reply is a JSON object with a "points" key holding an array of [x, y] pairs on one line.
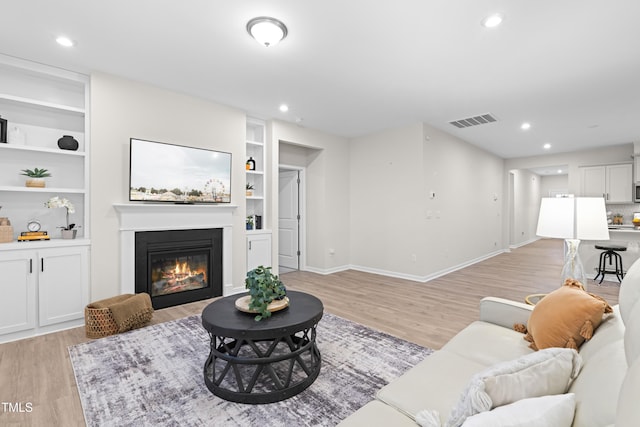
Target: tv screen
{"points": [[161, 172]]}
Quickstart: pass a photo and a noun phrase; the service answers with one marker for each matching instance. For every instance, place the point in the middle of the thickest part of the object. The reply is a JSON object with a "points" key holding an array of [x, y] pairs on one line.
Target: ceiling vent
{"points": [[474, 121]]}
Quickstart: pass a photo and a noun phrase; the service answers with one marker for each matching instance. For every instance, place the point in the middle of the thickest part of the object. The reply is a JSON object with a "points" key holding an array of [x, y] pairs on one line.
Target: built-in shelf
{"points": [[41, 190], [38, 103], [41, 150]]}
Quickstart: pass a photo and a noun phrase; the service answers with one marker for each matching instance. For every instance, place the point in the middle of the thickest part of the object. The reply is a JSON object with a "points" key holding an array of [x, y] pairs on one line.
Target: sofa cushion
{"points": [[548, 371], [598, 385], [611, 329], [565, 317], [435, 383], [628, 410], [629, 290], [632, 335], [555, 410], [377, 413], [488, 344]]}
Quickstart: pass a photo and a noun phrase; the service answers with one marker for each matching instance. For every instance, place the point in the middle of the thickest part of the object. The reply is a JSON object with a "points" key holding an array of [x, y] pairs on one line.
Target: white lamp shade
{"points": [[583, 218]]}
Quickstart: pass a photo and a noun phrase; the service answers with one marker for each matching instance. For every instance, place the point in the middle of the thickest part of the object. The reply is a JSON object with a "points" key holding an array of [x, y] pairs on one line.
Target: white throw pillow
{"points": [[545, 411], [545, 372]]}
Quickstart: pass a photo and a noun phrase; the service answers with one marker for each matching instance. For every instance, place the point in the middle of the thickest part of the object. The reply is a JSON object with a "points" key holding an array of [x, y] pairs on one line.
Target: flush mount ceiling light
{"points": [[493, 21], [65, 41], [267, 31], [284, 108], [546, 146], [525, 126]]}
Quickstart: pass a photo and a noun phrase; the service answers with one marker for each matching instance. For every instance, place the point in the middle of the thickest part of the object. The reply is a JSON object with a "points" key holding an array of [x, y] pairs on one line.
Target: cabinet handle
{"points": [[249, 244], [30, 265], [42, 264]]}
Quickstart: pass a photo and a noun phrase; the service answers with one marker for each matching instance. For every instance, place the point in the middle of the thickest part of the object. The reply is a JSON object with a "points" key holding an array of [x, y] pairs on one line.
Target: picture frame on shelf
{"points": [[3, 130]]}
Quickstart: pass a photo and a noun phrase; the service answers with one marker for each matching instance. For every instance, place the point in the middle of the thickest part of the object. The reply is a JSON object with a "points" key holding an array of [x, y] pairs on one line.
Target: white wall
{"points": [[396, 228], [121, 109], [327, 190], [598, 156], [526, 206], [554, 183]]}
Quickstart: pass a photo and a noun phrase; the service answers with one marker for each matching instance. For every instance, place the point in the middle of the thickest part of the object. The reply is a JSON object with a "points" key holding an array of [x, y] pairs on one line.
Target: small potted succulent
{"points": [[264, 288], [249, 189], [35, 177]]}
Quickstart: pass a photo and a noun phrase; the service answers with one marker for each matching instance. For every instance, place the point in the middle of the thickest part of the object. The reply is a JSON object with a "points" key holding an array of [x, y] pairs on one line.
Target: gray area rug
{"points": [[154, 376]]}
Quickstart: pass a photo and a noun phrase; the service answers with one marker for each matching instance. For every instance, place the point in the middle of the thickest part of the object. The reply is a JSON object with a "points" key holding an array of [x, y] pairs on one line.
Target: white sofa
{"points": [[607, 389]]}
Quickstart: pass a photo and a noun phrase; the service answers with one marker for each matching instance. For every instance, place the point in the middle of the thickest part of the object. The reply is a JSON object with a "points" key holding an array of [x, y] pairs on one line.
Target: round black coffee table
{"points": [[265, 361]]}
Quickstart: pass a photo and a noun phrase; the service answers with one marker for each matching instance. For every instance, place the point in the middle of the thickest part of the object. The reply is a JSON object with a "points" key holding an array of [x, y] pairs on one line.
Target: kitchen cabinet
{"points": [[613, 182], [258, 249], [43, 289]]}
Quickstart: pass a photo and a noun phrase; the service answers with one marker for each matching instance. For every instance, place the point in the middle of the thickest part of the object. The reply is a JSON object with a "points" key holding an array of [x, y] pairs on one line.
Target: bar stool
{"points": [[610, 253]]}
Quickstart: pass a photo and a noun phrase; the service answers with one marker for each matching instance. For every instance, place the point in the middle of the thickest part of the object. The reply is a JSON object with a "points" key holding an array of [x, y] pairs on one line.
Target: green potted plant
{"points": [[35, 177], [264, 287], [250, 222], [249, 189]]}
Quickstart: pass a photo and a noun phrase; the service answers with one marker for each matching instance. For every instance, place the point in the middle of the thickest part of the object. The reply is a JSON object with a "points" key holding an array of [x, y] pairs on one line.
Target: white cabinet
{"points": [[258, 249], [18, 290], [613, 182], [45, 288], [63, 280]]}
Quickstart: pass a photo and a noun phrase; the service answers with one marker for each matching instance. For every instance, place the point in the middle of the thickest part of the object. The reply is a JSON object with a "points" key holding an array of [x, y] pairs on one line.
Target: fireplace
{"points": [[179, 266]]}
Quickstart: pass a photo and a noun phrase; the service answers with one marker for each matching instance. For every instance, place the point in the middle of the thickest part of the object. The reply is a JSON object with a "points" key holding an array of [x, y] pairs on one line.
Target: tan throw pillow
{"points": [[565, 317]]}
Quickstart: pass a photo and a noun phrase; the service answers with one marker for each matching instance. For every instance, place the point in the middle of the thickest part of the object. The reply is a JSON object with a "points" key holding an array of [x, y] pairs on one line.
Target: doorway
{"points": [[290, 218]]}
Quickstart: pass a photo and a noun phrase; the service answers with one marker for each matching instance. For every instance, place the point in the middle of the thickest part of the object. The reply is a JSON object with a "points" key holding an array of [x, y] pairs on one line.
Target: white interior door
{"points": [[289, 220]]}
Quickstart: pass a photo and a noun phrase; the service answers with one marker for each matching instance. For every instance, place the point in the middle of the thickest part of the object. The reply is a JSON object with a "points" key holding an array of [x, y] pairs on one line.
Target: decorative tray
{"points": [[242, 304]]}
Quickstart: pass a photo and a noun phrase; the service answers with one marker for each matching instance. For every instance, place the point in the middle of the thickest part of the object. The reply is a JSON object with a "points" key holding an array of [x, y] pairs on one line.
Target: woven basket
{"points": [[98, 322], [6, 233]]}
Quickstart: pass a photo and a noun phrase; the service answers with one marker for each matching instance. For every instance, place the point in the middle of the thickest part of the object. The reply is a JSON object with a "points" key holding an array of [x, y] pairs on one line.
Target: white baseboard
{"points": [[406, 276], [517, 245]]}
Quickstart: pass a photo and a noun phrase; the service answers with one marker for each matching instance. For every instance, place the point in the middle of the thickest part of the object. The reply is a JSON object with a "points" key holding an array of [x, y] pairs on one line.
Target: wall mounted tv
{"points": [[160, 172]]}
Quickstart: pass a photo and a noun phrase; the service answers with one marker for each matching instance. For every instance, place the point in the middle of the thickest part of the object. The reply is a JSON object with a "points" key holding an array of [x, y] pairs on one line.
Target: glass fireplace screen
{"points": [[171, 273]]}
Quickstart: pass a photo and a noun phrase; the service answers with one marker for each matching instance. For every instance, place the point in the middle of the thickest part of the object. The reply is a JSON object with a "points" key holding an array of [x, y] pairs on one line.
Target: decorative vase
{"points": [[35, 182], [67, 142], [573, 268], [69, 234]]}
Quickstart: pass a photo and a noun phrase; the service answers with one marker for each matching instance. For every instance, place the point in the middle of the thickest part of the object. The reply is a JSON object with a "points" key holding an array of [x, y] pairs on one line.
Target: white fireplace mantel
{"points": [[156, 217]]}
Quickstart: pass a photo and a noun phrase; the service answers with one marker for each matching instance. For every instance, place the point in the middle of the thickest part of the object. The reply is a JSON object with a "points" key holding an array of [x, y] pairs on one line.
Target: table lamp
{"points": [[573, 219]]}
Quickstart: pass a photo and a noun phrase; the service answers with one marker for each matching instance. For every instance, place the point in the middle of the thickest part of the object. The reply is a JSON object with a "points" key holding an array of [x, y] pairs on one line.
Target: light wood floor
{"points": [[38, 370]]}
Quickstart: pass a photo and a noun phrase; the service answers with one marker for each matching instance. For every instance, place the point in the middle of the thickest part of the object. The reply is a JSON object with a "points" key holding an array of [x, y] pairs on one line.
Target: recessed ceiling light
{"points": [[267, 31], [284, 108], [546, 146], [525, 126], [493, 21], [559, 170], [65, 41]]}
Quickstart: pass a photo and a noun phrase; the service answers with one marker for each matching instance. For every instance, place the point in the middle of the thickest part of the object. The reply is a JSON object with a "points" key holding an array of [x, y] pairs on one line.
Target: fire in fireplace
{"points": [[172, 273], [178, 266]]}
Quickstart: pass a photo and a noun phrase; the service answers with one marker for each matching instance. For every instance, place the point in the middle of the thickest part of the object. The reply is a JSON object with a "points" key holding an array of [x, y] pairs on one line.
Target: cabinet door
{"points": [[619, 183], [258, 250], [592, 181], [63, 284], [17, 290]]}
